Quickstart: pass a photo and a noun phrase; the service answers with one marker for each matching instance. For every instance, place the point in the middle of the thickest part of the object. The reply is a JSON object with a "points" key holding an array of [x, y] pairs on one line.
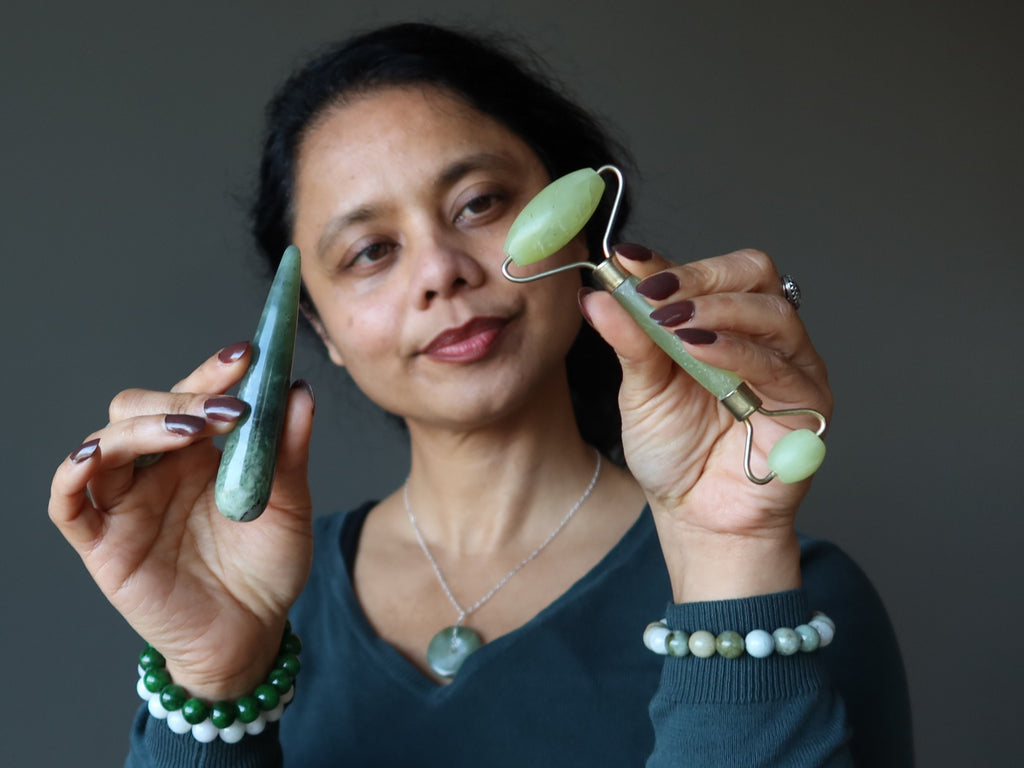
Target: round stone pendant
{"points": [[450, 647]]}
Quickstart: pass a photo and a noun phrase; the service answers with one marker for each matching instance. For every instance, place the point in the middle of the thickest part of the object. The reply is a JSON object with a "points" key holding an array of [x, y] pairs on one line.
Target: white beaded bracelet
{"points": [[759, 643]]}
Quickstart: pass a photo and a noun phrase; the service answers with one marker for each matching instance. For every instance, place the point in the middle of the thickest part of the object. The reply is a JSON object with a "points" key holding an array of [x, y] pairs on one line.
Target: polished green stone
{"points": [[151, 658], [155, 679], [289, 662], [281, 680], [678, 643], [248, 709], [554, 217], [450, 648], [173, 697], [194, 711], [291, 644], [787, 641], [796, 456], [267, 696], [809, 637], [702, 644], [729, 644], [223, 713], [250, 451]]}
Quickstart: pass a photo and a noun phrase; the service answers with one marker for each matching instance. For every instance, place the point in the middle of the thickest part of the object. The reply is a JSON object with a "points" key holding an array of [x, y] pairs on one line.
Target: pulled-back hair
{"points": [[495, 82]]}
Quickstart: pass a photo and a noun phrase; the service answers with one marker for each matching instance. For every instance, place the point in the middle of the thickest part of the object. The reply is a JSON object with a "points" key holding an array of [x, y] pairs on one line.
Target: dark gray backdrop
{"points": [[874, 149]]}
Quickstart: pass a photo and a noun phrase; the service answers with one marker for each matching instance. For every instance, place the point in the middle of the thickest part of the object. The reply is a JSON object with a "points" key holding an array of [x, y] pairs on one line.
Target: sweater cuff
{"points": [[690, 679], [155, 745]]}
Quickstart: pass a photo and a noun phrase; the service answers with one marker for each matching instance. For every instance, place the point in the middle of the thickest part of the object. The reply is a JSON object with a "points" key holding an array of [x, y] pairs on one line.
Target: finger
{"points": [[125, 441], [744, 271], [291, 477], [130, 403], [219, 372], [69, 508]]}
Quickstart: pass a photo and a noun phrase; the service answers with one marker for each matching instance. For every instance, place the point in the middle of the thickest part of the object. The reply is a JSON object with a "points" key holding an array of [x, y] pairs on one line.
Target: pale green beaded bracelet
{"points": [[759, 643], [228, 720]]}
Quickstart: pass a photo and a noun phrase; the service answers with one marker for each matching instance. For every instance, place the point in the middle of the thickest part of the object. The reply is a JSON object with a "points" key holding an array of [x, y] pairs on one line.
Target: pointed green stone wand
{"points": [[554, 217], [250, 452]]}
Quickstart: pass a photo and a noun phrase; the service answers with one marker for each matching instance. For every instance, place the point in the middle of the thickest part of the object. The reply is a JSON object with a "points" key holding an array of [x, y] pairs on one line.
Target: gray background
{"points": [[874, 149]]}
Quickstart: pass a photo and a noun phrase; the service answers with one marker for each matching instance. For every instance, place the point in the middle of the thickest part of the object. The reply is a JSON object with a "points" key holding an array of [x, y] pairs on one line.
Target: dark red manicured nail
{"points": [[183, 424], [303, 384], [659, 286], [580, 295], [85, 450], [633, 252], [673, 314], [224, 408], [232, 353], [696, 335]]}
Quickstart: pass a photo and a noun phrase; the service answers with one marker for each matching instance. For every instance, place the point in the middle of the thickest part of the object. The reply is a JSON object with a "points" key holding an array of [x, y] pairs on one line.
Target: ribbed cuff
{"points": [[689, 679], [163, 747]]}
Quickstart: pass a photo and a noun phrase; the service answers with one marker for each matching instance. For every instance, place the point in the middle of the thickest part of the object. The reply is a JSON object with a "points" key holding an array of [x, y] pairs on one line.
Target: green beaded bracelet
{"points": [[228, 720], [759, 643]]}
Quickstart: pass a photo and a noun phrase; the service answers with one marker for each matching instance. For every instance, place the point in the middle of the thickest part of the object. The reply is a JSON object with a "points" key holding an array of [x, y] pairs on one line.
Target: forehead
{"points": [[411, 127]]}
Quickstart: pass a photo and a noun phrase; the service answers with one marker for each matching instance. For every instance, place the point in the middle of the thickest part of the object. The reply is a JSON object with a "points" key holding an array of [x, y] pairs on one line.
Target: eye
{"points": [[478, 207], [370, 253]]}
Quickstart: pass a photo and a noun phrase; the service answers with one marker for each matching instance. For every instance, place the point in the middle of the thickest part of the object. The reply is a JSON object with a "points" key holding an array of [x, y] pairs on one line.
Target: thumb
{"points": [[291, 477]]}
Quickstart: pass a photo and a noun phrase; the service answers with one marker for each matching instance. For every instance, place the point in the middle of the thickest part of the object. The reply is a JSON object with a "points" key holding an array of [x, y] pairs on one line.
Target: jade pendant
{"points": [[450, 647]]}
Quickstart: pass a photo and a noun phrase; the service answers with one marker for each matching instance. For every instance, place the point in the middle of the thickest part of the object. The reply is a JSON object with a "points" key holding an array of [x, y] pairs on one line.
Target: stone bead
{"points": [[819, 616], [826, 631], [233, 733], [656, 637], [177, 723], [256, 726], [195, 711], [288, 696], [150, 658], [678, 643], [248, 709], [787, 641], [205, 731], [281, 680], [144, 693], [173, 697], [223, 714], [289, 662], [275, 714], [156, 679], [291, 645], [267, 696], [702, 644], [156, 709], [809, 640], [729, 644], [759, 643]]}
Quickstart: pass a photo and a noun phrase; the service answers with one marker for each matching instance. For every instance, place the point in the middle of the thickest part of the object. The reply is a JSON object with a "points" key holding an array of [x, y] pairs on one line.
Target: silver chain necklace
{"points": [[450, 647]]}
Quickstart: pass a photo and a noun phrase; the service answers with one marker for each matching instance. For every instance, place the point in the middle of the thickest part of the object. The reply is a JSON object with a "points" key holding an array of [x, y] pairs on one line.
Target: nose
{"points": [[441, 268]]}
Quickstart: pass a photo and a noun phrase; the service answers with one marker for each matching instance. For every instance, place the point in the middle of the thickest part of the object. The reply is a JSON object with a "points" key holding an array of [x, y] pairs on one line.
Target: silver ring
{"points": [[791, 291]]}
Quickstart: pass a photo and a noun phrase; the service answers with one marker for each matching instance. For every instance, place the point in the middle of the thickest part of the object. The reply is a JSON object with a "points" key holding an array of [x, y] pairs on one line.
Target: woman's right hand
{"points": [[211, 594]]}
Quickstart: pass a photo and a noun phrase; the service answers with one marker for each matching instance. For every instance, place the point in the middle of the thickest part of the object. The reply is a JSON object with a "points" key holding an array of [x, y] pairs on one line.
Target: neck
{"points": [[475, 491]]}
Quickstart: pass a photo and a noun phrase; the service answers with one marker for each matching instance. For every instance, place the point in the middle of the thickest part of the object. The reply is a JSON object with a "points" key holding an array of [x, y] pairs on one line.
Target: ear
{"points": [[318, 327]]}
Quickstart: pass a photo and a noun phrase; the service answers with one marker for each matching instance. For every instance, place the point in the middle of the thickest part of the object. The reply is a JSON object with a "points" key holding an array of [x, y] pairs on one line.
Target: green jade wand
{"points": [[250, 452], [554, 217]]}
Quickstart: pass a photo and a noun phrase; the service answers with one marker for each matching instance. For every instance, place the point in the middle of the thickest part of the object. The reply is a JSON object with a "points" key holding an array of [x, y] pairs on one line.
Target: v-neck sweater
{"points": [[575, 686]]}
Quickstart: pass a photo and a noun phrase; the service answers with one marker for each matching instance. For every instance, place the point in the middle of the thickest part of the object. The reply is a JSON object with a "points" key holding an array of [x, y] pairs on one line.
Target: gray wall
{"points": [[873, 148]]}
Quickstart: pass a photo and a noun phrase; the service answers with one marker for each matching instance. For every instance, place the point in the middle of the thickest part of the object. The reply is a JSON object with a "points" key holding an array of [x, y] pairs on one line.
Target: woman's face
{"points": [[403, 201]]}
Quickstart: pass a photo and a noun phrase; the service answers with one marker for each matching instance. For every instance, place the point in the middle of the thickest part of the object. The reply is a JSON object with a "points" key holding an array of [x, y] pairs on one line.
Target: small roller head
{"points": [[555, 216], [796, 456]]}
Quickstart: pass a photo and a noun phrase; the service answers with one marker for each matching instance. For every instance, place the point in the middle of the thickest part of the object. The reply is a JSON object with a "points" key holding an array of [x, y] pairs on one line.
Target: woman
{"points": [[396, 162]]}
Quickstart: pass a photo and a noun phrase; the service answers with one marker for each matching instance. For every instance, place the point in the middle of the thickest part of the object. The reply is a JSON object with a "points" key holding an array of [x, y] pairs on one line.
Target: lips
{"points": [[470, 341]]}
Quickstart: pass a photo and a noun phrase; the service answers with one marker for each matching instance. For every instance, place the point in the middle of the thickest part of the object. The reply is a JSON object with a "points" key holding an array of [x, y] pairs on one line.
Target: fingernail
{"points": [[633, 252], [673, 314], [696, 335], [85, 450], [580, 295], [224, 408], [232, 353], [303, 384], [183, 424], [659, 286]]}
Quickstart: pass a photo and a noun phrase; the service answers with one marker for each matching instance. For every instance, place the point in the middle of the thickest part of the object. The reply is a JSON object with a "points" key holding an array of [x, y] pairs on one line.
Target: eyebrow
{"points": [[448, 176]]}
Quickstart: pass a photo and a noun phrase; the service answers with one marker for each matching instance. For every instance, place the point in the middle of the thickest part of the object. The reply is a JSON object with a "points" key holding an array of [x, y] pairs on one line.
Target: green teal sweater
{"points": [[575, 686]]}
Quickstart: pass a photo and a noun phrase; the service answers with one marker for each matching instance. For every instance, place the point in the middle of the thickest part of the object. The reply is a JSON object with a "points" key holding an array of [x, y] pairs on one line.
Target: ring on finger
{"points": [[791, 290]]}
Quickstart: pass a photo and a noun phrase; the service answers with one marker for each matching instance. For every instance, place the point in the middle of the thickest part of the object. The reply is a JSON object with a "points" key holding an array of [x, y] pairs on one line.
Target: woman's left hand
{"points": [[723, 535]]}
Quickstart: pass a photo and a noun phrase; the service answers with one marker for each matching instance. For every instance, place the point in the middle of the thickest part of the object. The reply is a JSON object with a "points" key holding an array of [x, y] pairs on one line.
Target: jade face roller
{"points": [[250, 452], [554, 217]]}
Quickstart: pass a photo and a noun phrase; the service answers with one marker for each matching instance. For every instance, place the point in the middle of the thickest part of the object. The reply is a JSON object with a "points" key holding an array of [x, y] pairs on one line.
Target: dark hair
{"points": [[497, 83]]}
